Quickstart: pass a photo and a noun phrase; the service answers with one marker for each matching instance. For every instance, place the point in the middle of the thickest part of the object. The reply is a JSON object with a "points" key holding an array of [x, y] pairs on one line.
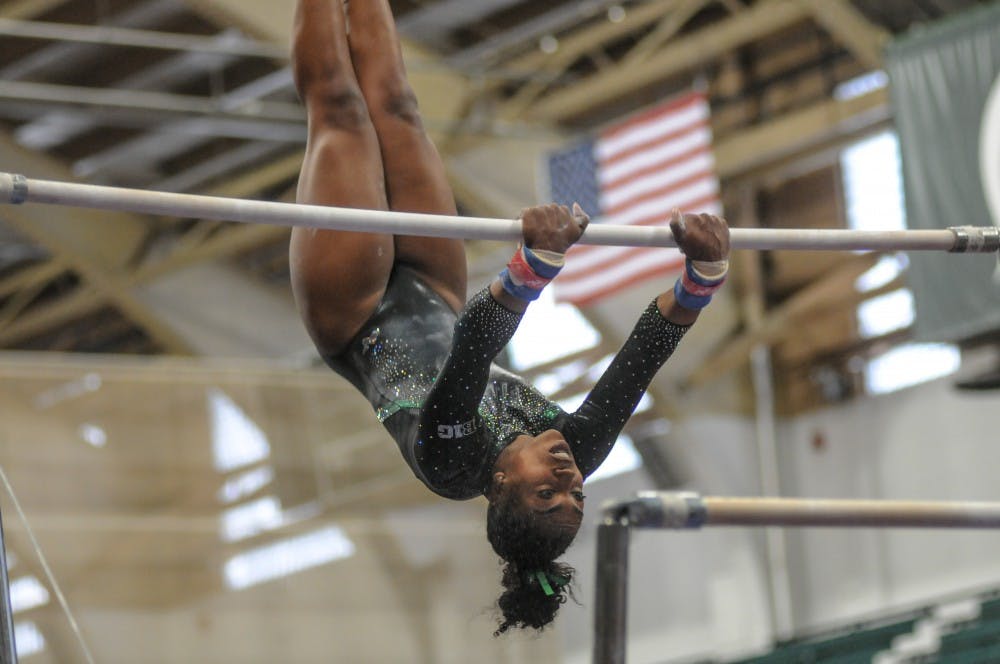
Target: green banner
{"points": [[945, 90]]}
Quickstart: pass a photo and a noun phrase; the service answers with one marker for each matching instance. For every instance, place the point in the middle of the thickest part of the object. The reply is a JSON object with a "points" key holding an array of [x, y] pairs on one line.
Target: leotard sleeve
{"points": [[453, 445], [593, 428]]}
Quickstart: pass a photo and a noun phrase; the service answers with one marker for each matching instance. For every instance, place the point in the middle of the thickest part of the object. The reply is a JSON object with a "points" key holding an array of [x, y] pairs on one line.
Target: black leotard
{"points": [[430, 376]]}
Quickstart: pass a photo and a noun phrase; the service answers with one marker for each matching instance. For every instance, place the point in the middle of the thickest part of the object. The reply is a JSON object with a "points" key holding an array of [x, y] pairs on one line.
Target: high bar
{"points": [[18, 189], [689, 510]]}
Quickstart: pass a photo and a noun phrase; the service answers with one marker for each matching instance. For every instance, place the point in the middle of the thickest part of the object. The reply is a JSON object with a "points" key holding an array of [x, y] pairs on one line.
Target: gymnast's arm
{"points": [[594, 427], [452, 441]]}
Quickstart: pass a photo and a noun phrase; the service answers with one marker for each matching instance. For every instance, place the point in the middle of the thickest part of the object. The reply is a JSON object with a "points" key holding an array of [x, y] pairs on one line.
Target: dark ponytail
{"points": [[535, 586], [524, 602]]}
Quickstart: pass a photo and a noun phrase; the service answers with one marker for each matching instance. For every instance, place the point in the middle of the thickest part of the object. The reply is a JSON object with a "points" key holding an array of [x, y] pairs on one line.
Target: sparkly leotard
{"points": [[430, 377]]}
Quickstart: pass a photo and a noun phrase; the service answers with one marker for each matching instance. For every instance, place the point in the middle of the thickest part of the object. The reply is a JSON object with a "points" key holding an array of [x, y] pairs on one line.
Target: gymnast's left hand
{"points": [[701, 237], [552, 227]]}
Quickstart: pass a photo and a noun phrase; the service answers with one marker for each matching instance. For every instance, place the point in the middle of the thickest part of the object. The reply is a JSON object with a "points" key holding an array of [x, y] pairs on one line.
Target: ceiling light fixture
{"points": [[548, 44]]}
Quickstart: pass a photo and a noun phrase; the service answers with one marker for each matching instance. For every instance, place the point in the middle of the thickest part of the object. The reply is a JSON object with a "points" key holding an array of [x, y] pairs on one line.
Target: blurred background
{"points": [[184, 481]]}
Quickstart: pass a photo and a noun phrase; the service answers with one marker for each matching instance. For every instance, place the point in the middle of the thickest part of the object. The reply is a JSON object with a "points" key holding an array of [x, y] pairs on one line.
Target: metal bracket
{"points": [[975, 239], [655, 509], [14, 188]]}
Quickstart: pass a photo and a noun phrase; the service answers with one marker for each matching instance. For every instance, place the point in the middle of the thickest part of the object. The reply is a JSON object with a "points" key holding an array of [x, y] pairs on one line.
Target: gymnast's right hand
{"points": [[552, 227]]}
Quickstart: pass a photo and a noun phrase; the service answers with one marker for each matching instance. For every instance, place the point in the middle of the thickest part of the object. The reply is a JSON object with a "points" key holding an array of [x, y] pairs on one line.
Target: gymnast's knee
{"points": [[395, 98], [340, 107]]}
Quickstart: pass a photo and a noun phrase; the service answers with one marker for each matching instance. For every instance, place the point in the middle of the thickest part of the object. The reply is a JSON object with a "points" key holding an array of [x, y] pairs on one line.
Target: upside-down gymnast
{"points": [[388, 313]]}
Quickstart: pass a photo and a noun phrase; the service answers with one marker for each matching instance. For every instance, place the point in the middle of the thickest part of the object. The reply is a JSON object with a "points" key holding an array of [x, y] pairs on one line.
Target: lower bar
{"points": [[849, 513], [16, 189], [685, 509]]}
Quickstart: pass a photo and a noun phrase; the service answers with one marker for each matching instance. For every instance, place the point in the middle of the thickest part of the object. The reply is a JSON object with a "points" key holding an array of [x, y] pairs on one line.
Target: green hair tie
{"points": [[546, 582]]}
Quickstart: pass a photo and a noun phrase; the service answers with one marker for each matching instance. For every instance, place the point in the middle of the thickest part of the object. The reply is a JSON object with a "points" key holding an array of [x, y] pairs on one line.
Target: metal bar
{"points": [[849, 513], [8, 650], [117, 36], [17, 189], [611, 594], [681, 510]]}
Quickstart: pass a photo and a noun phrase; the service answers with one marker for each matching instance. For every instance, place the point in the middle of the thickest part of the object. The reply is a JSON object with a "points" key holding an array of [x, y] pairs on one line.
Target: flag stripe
{"points": [[657, 164], [607, 263], [652, 189], [645, 262], [653, 113], [662, 127], [659, 207], [693, 137]]}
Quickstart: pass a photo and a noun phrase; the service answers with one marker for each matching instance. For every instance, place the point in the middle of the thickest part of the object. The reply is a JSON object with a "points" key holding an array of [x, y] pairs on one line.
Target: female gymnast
{"points": [[388, 313]]}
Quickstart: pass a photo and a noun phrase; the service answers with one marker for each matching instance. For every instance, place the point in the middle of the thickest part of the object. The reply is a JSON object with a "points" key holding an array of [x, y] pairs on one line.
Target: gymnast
{"points": [[388, 313]]}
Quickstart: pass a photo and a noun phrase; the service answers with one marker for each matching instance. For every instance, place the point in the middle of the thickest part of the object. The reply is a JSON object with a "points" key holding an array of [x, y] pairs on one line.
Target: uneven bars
{"points": [[684, 510], [689, 510], [17, 189]]}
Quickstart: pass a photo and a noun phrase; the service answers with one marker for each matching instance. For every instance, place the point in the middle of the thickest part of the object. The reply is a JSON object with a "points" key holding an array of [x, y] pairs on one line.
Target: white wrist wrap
{"points": [[710, 270]]}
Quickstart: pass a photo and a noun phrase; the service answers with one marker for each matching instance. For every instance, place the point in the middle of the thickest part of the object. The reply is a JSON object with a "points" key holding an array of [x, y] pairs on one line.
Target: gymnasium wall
{"points": [[118, 466]]}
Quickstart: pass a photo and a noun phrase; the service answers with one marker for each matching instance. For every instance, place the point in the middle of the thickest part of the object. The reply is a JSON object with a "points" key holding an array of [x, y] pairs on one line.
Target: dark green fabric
{"points": [[940, 78]]}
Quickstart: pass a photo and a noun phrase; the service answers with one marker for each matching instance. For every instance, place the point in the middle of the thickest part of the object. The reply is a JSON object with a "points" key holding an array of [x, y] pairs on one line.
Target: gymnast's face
{"points": [[543, 472]]}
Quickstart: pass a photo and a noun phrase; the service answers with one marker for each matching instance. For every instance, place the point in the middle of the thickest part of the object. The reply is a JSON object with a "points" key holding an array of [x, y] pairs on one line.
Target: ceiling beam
{"points": [[84, 301], [152, 39], [580, 42], [432, 22], [225, 243], [96, 244], [664, 31], [141, 117], [241, 237], [865, 40], [26, 9], [55, 128], [19, 302], [588, 40], [40, 320], [42, 224], [79, 231], [67, 57], [29, 276], [439, 88], [173, 138], [146, 101], [553, 22], [760, 145], [219, 166], [681, 55]]}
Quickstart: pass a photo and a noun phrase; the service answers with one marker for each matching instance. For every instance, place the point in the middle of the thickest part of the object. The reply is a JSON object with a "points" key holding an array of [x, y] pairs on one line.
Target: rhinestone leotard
{"points": [[429, 375]]}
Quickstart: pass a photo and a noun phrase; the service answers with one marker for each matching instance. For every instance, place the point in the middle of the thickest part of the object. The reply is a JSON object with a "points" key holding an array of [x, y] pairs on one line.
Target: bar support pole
{"points": [[8, 650], [611, 599]]}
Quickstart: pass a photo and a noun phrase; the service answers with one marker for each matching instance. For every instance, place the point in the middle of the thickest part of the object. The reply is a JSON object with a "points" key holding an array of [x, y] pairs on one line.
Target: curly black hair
{"points": [[529, 544]]}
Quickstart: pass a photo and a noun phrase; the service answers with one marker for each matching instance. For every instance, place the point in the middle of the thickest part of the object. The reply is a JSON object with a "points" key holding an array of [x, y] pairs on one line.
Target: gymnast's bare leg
{"points": [[366, 149]]}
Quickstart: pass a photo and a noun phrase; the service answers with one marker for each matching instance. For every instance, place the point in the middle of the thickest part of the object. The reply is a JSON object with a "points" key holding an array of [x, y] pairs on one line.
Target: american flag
{"points": [[634, 173]]}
